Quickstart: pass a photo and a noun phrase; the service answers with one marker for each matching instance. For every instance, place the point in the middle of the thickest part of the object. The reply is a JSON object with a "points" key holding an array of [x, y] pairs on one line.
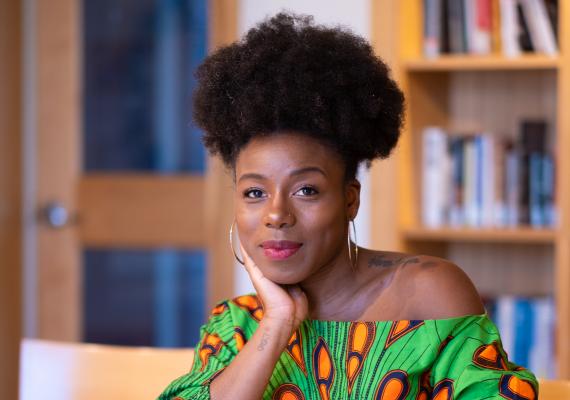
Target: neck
{"points": [[330, 291]]}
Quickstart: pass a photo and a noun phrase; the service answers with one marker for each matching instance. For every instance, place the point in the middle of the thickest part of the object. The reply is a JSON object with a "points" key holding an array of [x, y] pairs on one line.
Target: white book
{"points": [[435, 177], [542, 351], [471, 206], [469, 20], [509, 28], [540, 29], [488, 178], [506, 324]]}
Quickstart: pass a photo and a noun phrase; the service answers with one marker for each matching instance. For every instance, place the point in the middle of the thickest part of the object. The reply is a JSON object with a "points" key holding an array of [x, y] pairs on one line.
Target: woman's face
{"points": [[293, 206]]}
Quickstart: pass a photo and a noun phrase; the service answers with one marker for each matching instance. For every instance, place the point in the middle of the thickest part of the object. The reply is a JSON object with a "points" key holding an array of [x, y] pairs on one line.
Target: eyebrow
{"points": [[295, 172]]}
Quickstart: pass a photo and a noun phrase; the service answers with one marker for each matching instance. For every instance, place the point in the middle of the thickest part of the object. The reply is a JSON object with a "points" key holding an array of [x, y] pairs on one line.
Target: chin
{"points": [[280, 277]]}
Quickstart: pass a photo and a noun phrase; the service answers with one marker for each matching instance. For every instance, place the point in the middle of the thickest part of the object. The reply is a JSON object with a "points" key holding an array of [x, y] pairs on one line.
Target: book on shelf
{"points": [[483, 181], [527, 327], [507, 27]]}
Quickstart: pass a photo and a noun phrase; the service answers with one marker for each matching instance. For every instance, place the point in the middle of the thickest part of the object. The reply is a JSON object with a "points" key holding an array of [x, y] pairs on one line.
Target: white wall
{"points": [[354, 14]]}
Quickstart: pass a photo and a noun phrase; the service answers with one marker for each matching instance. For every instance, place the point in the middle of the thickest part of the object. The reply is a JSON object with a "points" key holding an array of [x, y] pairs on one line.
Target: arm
{"points": [[284, 309], [258, 357]]}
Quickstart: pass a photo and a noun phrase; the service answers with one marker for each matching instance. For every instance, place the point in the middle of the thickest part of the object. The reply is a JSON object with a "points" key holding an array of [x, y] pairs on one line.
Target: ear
{"points": [[352, 195]]}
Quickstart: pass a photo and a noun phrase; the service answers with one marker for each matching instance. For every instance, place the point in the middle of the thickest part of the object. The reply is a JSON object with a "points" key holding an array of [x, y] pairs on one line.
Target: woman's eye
{"points": [[307, 191], [253, 193]]}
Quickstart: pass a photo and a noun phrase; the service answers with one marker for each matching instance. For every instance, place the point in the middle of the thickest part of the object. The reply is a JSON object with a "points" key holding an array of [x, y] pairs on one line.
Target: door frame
{"points": [[53, 172]]}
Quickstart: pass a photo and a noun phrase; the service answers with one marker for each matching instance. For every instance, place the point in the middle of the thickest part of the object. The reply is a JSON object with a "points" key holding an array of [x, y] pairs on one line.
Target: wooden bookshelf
{"points": [[476, 93], [517, 235], [482, 63]]}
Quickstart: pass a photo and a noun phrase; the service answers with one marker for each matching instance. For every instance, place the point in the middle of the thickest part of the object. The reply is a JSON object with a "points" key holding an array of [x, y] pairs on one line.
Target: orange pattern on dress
{"points": [[288, 391], [220, 308], [443, 390], [210, 346], [425, 390], [252, 305], [323, 368], [360, 338], [489, 356], [393, 386], [295, 350], [514, 388], [240, 338], [401, 328]]}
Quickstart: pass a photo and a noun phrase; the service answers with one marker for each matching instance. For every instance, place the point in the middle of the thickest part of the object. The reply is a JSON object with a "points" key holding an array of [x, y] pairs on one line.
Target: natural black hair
{"points": [[289, 74]]}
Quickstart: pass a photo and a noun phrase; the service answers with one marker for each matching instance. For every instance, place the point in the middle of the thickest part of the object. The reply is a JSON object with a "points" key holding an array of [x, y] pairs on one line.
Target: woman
{"points": [[293, 109]]}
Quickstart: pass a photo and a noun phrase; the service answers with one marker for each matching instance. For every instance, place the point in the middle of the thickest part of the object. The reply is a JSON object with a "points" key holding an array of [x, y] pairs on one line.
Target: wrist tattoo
{"points": [[264, 340]]}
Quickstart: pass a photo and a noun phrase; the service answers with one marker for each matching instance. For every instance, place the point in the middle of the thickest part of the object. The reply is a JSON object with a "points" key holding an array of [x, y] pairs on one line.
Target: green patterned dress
{"points": [[455, 358]]}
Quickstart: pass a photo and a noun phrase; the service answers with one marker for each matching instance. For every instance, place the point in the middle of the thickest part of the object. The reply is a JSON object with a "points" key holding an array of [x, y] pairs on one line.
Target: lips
{"points": [[280, 249]]}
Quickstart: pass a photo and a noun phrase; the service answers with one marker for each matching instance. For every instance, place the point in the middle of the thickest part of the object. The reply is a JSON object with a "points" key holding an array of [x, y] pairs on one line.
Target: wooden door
{"points": [[72, 210]]}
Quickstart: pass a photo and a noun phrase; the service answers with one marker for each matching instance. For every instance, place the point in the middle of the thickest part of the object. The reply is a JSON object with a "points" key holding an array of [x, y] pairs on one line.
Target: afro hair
{"points": [[289, 74]]}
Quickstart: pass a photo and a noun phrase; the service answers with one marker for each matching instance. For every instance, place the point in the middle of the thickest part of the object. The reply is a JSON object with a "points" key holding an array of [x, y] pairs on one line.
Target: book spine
{"points": [[500, 219], [470, 183], [470, 21], [432, 28], [509, 28], [541, 353], [523, 317], [481, 37], [547, 190], [512, 188], [539, 28], [488, 180], [545, 28], [496, 44], [456, 217], [479, 164], [434, 182], [456, 26], [524, 37], [505, 322], [536, 207]]}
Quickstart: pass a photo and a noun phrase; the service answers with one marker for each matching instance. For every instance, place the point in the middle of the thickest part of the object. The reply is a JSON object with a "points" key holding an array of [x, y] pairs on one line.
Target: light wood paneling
{"points": [[58, 159], [10, 198], [496, 102], [383, 174], [562, 256], [141, 211], [223, 22], [219, 206], [506, 269]]}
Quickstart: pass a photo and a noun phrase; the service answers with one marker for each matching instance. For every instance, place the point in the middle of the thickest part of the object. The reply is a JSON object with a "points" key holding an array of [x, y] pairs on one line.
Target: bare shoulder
{"points": [[437, 288]]}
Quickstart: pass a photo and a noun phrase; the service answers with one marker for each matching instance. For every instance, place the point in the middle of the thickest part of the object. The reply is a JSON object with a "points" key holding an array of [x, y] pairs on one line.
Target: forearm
{"points": [[248, 374]]}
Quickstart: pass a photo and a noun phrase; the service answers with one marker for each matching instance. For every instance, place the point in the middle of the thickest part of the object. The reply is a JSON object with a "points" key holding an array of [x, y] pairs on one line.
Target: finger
{"points": [[250, 266]]}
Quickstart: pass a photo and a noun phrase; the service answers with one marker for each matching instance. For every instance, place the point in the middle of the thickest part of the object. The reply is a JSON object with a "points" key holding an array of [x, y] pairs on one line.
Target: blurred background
{"points": [[114, 221]]}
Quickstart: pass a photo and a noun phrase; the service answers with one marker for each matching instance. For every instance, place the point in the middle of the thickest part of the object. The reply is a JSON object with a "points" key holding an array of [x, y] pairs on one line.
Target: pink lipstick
{"points": [[280, 249]]}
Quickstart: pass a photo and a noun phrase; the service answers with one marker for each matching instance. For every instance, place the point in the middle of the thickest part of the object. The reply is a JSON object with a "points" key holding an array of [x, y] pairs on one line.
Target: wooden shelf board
{"points": [[473, 62], [514, 235]]}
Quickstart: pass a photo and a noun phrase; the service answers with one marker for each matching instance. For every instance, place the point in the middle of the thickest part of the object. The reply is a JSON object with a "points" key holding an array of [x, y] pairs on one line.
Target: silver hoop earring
{"points": [[232, 243], [354, 263]]}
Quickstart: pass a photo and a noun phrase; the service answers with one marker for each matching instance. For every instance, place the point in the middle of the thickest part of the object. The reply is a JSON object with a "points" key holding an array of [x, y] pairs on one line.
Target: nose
{"points": [[277, 214]]}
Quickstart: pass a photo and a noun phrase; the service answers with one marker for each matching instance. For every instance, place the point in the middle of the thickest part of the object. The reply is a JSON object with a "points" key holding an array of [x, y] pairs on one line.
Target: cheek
{"points": [[324, 228], [248, 220]]}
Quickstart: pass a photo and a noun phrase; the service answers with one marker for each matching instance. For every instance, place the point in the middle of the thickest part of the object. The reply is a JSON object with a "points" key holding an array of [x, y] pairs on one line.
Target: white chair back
{"points": [[78, 371]]}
